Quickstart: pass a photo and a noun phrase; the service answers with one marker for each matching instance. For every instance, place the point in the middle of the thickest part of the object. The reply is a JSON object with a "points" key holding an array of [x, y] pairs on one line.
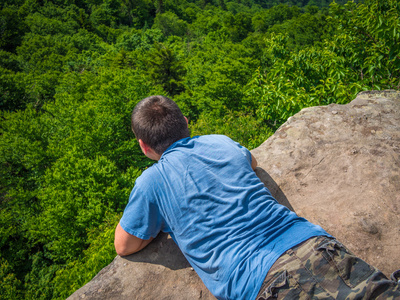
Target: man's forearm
{"points": [[126, 243]]}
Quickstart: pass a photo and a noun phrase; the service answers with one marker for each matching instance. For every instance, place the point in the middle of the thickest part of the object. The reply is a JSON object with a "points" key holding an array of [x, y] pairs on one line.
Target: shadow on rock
{"points": [[273, 187], [162, 251]]}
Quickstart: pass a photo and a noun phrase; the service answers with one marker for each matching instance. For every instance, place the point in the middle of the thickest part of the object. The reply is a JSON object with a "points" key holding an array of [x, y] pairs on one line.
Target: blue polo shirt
{"points": [[204, 193]]}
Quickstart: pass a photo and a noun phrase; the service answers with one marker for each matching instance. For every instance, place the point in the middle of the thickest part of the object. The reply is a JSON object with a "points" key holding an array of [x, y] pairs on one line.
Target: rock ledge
{"points": [[336, 165]]}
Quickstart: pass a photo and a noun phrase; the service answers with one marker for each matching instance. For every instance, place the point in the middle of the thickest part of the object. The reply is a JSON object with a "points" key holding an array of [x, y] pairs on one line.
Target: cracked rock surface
{"points": [[338, 166]]}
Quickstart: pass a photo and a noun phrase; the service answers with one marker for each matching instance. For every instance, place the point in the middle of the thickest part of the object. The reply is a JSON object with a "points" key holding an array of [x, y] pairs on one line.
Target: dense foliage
{"points": [[71, 72]]}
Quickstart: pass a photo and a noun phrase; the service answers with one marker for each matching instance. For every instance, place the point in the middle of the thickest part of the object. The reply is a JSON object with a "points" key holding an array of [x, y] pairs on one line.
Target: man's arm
{"points": [[253, 162], [126, 243]]}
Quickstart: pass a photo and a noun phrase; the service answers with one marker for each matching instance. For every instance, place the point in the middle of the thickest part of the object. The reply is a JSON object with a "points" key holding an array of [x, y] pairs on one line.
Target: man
{"points": [[204, 192]]}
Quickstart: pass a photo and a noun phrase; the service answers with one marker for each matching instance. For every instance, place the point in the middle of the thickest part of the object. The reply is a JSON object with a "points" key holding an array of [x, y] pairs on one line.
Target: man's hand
{"points": [[126, 243]]}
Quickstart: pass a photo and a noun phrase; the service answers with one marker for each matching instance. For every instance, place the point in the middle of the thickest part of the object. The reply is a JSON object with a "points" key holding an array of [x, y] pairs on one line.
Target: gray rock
{"points": [[160, 271], [337, 165]]}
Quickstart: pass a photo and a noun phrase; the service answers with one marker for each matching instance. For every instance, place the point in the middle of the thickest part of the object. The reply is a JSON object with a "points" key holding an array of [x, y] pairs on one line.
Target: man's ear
{"points": [[143, 146], [148, 151], [187, 121]]}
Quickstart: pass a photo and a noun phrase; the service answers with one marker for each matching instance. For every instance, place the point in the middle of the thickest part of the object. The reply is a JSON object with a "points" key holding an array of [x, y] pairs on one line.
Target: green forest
{"points": [[71, 72]]}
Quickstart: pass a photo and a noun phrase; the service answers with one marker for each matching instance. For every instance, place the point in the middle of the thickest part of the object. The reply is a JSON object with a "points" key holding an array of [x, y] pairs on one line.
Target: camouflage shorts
{"points": [[322, 268]]}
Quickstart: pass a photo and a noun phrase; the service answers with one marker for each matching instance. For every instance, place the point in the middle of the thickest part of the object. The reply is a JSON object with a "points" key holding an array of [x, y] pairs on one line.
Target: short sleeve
{"points": [[243, 150], [141, 216]]}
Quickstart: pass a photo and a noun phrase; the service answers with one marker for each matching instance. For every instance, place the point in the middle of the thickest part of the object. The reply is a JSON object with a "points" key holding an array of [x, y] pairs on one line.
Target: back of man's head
{"points": [[158, 121]]}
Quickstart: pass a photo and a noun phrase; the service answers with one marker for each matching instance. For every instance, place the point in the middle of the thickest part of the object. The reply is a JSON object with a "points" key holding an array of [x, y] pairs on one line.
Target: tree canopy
{"points": [[72, 71]]}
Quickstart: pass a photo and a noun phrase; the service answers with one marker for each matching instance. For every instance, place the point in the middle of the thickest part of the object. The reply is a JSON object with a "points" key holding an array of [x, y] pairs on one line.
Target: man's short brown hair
{"points": [[158, 122]]}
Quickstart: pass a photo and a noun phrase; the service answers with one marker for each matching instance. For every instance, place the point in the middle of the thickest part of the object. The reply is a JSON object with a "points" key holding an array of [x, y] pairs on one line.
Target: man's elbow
{"points": [[123, 251], [126, 244]]}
